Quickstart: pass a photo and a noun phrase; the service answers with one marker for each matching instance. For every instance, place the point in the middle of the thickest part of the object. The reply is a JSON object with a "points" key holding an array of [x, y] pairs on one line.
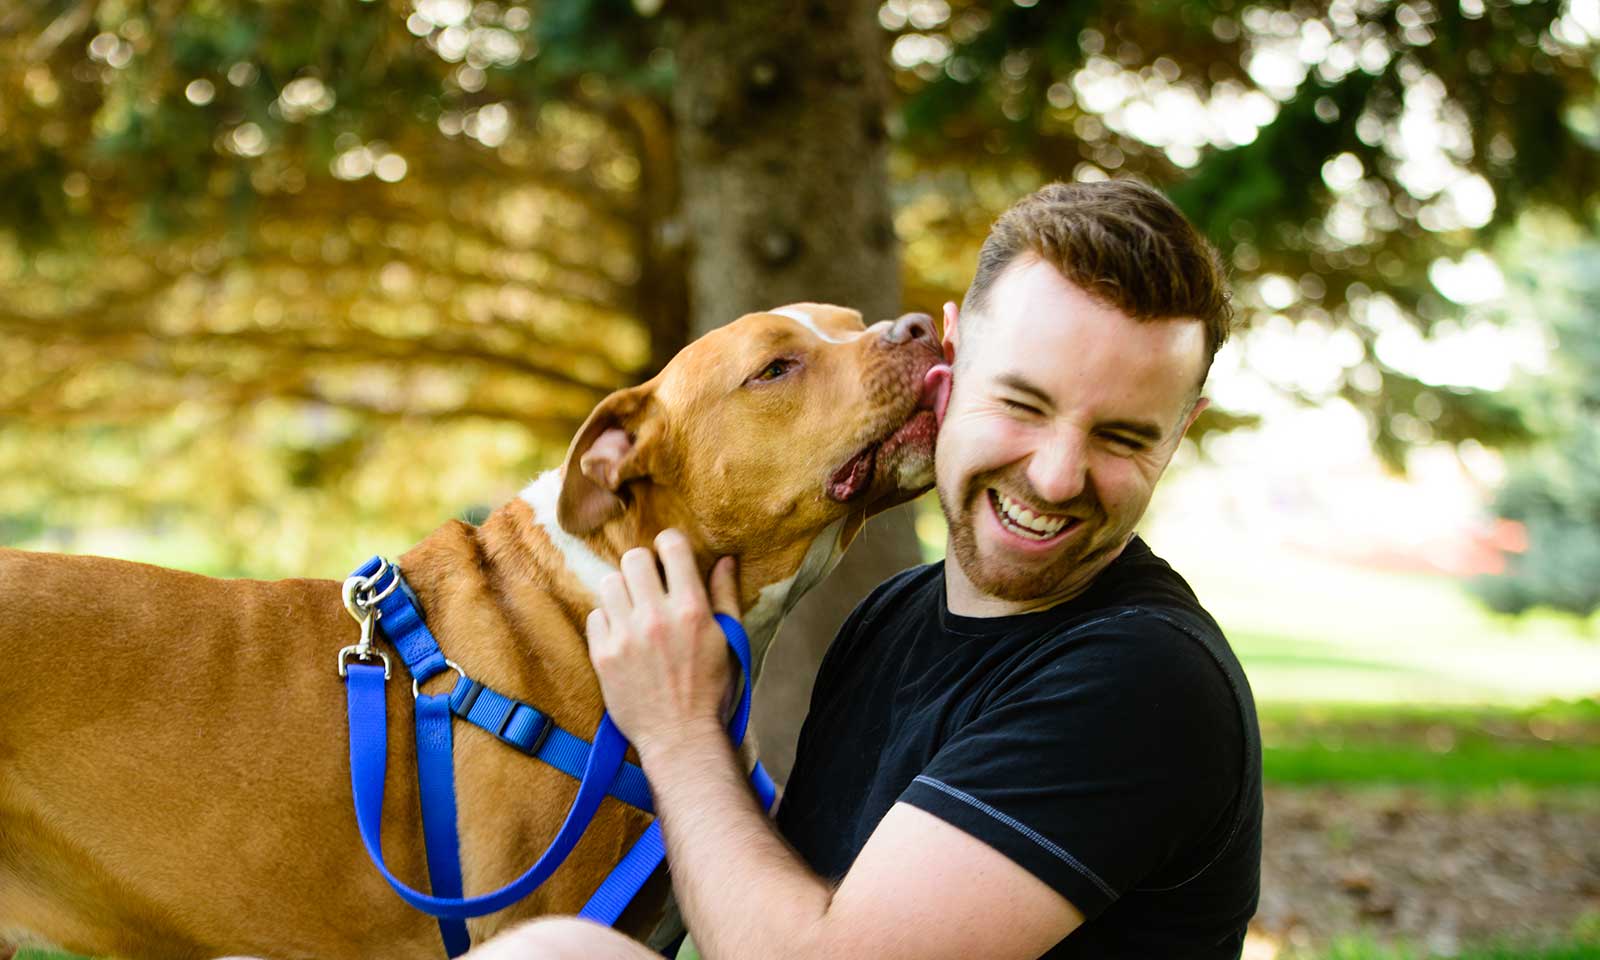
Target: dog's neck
{"points": [[775, 600], [590, 561]]}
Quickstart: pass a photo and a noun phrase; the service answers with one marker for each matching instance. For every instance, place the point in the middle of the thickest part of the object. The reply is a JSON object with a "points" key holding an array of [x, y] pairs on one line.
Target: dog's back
{"points": [[151, 792]]}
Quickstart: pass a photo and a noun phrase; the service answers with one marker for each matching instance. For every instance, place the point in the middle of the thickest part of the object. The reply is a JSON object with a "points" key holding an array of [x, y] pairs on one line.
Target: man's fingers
{"points": [[614, 598], [677, 558], [596, 628], [725, 587], [644, 581]]}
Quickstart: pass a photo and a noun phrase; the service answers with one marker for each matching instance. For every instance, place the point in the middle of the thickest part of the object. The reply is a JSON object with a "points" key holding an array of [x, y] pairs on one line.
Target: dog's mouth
{"points": [[917, 431], [852, 479]]}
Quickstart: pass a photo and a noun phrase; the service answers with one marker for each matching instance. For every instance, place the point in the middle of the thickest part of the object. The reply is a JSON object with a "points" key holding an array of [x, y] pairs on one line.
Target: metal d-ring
{"points": [[358, 606], [394, 581], [416, 687]]}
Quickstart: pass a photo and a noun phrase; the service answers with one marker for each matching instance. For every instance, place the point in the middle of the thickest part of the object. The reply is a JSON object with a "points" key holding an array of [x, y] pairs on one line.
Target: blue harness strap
{"points": [[530, 731], [624, 882], [599, 768], [436, 782], [368, 743]]}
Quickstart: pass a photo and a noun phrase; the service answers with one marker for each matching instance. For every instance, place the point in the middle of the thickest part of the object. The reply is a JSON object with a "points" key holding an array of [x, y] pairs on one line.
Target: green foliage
{"points": [[1553, 489], [212, 207], [1009, 108]]}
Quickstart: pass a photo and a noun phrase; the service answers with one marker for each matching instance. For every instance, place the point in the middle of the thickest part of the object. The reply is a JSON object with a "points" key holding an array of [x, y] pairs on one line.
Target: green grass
{"points": [[1579, 948], [1556, 745], [1312, 631]]}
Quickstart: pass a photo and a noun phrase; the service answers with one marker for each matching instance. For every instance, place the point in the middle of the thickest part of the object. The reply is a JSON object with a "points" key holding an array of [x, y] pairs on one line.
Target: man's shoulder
{"points": [[907, 590], [1138, 577], [908, 587]]}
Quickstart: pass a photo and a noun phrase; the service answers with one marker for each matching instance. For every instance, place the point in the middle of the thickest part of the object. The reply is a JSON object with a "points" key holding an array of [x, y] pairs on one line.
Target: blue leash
{"points": [[623, 883], [600, 769]]}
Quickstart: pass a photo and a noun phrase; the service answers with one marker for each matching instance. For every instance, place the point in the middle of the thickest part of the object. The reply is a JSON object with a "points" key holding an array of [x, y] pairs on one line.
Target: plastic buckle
{"points": [[543, 728]]}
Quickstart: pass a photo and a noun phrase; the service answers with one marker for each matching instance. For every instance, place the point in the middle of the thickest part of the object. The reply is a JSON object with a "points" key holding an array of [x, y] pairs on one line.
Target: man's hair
{"points": [[1124, 244]]}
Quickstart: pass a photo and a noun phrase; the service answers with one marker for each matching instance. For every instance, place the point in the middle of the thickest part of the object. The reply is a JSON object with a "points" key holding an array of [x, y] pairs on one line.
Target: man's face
{"points": [[1063, 414]]}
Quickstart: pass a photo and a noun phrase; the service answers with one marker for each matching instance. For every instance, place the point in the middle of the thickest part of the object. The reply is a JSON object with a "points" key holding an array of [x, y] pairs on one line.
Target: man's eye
{"points": [[1019, 406], [1126, 444]]}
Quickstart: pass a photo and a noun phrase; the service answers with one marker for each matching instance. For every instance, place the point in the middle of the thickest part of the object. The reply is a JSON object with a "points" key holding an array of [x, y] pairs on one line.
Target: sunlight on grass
{"points": [[1310, 630]]}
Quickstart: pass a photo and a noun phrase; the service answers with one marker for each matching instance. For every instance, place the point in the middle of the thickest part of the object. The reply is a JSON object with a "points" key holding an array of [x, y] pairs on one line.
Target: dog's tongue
{"points": [[935, 391], [852, 478]]}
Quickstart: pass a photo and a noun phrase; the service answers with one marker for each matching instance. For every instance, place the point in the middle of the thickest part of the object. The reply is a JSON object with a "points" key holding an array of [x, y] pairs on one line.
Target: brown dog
{"points": [[173, 767]]}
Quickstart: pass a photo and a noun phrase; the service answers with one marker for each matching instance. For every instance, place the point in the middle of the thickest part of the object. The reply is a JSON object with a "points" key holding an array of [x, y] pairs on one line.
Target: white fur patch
{"points": [[807, 321], [584, 563], [775, 600]]}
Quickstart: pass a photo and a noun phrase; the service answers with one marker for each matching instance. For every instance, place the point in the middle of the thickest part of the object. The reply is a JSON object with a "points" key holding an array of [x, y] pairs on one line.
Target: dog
{"points": [[173, 767]]}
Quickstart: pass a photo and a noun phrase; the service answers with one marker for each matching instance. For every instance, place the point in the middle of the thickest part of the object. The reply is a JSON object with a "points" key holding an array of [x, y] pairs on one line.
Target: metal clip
{"points": [[361, 602], [347, 651]]}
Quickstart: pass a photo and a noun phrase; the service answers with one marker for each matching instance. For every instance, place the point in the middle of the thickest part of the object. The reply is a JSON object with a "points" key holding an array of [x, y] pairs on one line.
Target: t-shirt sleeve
{"points": [[1098, 764]]}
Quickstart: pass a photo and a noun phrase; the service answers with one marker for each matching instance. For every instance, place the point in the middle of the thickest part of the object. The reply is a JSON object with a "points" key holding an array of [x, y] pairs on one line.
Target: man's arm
{"points": [[919, 888]]}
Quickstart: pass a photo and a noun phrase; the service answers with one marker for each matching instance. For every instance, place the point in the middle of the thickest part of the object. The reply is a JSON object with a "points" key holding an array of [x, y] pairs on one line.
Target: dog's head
{"points": [[761, 436]]}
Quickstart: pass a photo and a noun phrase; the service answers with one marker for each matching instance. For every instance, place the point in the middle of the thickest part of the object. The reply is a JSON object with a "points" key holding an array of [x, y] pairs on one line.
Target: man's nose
{"points": [[912, 326], [1059, 470]]}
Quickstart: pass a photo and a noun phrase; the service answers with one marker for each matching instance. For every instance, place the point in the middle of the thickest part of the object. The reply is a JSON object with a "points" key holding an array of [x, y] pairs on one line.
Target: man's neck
{"points": [[965, 599]]}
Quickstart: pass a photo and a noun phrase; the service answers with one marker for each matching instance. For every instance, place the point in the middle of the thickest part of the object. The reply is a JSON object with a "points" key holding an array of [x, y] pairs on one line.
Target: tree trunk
{"points": [[779, 109]]}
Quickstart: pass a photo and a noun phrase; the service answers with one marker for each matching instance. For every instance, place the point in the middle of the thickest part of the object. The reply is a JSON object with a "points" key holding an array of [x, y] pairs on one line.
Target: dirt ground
{"points": [[1435, 871]]}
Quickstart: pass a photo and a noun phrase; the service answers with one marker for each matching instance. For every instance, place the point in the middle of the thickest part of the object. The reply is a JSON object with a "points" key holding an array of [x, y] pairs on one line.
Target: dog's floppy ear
{"points": [[607, 453]]}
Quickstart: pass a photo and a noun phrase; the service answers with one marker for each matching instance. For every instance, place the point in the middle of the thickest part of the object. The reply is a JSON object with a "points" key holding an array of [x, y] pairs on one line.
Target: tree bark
{"points": [[779, 107]]}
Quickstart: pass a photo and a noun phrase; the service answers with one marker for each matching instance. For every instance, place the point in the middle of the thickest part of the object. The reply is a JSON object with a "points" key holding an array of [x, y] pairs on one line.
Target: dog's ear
{"points": [[611, 449]]}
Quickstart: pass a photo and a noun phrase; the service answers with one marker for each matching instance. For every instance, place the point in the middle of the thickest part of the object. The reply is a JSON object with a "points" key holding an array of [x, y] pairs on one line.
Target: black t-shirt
{"points": [[1108, 745]]}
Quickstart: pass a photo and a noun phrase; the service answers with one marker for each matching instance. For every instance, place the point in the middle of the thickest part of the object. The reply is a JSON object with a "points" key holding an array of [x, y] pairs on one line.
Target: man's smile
{"points": [[1039, 529]]}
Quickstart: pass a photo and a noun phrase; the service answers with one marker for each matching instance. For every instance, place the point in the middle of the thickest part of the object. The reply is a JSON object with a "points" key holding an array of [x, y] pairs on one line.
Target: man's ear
{"points": [[608, 452], [1199, 407], [952, 314]]}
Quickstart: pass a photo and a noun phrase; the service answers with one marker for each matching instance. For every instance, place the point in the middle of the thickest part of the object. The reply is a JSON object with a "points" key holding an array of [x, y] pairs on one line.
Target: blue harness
{"points": [[375, 594]]}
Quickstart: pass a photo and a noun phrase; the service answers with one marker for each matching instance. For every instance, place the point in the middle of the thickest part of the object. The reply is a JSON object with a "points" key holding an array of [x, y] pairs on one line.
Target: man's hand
{"points": [[661, 658]]}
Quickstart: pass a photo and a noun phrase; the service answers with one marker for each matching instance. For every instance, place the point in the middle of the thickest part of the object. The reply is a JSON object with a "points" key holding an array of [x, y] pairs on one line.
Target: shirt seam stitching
{"points": [[1045, 843]]}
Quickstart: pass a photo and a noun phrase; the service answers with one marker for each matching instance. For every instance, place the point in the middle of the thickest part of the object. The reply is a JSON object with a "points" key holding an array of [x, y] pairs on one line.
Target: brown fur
{"points": [[173, 767]]}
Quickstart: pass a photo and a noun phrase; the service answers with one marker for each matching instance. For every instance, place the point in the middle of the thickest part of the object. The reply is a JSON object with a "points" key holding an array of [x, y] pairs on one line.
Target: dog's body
{"points": [[173, 767]]}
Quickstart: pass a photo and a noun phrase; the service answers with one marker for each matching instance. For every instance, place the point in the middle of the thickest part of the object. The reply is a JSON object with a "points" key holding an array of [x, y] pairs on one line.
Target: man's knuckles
{"points": [[690, 614]]}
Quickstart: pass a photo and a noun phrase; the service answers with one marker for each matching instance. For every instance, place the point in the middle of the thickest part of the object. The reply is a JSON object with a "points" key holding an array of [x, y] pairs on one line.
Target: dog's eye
{"points": [[774, 370]]}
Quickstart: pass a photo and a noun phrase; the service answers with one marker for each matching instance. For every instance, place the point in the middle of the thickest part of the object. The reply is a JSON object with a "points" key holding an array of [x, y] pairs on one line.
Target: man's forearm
{"points": [[742, 890]]}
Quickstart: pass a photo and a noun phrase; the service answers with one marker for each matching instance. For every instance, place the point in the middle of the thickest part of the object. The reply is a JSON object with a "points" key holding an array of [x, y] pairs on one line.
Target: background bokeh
{"points": [[284, 285]]}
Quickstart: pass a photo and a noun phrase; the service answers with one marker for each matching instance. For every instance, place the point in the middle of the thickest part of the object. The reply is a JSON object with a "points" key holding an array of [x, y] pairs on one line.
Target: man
{"points": [[1042, 746]]}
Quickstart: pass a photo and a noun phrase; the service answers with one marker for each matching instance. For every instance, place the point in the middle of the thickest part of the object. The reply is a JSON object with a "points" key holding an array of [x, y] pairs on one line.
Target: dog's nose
{"points": [[912, 326]]}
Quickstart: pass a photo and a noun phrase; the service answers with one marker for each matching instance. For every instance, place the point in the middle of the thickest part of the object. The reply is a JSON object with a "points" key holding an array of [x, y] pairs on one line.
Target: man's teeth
{"points": [[1043, 527]]}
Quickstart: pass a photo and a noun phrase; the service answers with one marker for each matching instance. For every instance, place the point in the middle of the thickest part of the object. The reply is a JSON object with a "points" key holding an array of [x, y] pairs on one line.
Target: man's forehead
{"points": [[1135, 369], [1038, 315]]}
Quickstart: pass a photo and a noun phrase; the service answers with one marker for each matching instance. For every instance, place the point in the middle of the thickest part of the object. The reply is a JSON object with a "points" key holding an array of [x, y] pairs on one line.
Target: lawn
{"points": [[1554, 745], [1311, 630]]}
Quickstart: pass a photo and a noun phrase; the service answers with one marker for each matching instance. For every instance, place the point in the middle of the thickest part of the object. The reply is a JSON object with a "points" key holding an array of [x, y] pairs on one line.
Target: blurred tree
{"points": [[1553, 489], [234, 226], [1334, 151]]}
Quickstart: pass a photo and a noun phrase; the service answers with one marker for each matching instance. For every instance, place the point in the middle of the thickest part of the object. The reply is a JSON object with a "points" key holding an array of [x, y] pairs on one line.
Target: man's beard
{"points": [[1002, 578]]}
